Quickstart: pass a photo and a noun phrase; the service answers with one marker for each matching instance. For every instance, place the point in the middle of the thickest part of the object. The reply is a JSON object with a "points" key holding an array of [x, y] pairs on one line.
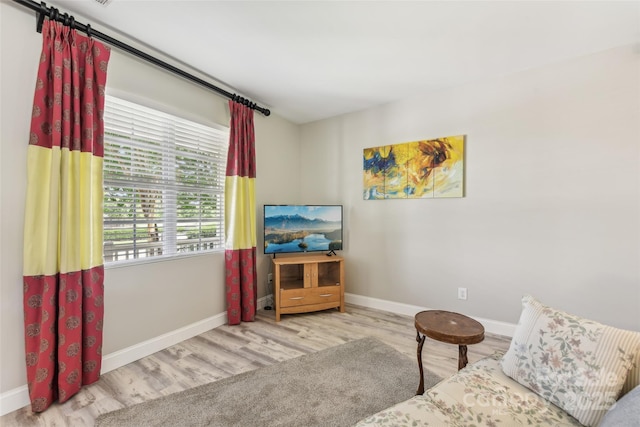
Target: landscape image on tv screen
{"points": [[302, 228]]}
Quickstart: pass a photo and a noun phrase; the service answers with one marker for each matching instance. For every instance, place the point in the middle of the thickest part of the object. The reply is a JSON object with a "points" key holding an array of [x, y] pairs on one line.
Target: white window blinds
{"points": [[163, 183]]}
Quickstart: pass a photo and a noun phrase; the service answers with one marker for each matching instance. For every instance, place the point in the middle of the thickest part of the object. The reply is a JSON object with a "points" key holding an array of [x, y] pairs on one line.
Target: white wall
{"points": [[142, 302], [552, 194]]}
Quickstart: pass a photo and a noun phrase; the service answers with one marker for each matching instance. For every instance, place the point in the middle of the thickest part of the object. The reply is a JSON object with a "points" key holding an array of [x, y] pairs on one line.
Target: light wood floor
{"points": [[230, 350]]}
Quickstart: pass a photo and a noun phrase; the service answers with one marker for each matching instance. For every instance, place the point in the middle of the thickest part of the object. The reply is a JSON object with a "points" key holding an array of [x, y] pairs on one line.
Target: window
{"points": [[163, 184]]}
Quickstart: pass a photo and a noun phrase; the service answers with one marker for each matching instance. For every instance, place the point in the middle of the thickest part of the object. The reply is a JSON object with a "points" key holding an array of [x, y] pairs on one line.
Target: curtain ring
{"points": [[65, 19], [53, 14], [41, 15], [88, 30], [72, 22]]}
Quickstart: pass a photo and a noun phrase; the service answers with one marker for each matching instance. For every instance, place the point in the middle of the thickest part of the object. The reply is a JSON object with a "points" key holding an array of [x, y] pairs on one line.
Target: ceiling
{"points": [[309, 60]]}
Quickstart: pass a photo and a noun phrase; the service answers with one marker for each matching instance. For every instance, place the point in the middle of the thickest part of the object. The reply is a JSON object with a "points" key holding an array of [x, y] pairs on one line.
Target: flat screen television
{"points": [[302, 228]]}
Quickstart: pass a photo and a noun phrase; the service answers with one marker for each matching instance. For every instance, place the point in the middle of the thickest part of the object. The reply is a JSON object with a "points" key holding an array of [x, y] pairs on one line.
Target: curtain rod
{"points": [[53, 14]]}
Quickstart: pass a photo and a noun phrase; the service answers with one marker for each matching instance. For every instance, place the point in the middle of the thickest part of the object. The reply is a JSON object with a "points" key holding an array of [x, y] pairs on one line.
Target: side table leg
{"points": [[420, 341], [462, 356]]}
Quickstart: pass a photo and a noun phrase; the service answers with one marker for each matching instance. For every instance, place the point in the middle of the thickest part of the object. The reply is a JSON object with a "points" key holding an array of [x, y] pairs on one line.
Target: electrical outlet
{"points": [[270, 278], [462, 293]]}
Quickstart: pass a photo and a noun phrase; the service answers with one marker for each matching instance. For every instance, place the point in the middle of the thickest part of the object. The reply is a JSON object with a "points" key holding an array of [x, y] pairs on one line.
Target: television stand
{"points": [[331, 252], [308, 283]]}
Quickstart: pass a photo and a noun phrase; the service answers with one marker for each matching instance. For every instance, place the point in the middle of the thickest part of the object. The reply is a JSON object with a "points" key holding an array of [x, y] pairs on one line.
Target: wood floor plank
{"points": [[230, 350]]}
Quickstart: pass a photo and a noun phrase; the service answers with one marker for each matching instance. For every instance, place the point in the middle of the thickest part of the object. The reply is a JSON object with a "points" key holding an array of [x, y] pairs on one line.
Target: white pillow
{"points": [[576, 364]]}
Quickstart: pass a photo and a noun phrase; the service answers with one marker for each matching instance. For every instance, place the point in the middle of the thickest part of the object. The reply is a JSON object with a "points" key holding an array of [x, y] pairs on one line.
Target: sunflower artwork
{"points": [[415, 170]]}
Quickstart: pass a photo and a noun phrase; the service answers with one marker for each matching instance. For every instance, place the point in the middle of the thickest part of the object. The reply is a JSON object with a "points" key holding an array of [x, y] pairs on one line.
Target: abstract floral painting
{"points": [[415, 170]]}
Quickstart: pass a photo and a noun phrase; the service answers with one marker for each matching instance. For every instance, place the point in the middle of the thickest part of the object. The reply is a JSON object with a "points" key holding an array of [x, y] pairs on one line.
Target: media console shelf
{"points": [[308, 283]]}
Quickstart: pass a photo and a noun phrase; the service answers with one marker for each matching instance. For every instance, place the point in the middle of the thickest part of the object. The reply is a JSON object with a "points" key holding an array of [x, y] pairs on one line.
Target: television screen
{"points": [[302, 228]]}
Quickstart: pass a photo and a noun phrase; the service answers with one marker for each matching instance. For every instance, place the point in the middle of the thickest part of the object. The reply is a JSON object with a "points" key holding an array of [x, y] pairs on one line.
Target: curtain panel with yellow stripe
{"points": [[63, 268], [240, 217]]}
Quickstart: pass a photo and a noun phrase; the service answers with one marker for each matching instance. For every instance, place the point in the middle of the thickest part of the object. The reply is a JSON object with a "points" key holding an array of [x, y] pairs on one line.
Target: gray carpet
{"points": [[338, 386]]}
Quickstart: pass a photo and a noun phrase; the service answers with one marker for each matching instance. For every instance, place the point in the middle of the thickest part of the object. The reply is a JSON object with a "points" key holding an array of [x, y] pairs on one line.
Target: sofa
{"points": [[559, 370]]}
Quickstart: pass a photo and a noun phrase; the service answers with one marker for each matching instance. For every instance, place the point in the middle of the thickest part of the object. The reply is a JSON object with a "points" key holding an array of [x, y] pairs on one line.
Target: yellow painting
{"points": [[415, 170]]}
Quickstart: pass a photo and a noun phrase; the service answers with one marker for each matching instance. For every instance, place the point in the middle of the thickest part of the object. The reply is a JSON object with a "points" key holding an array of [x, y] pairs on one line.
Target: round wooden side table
{"points": [[449, 327]]}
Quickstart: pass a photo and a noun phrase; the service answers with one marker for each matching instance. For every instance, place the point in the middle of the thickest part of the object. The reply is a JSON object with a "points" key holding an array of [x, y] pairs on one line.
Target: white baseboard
{"points": [[19, 397], [14, 399], [491, 326], [136, 352]]}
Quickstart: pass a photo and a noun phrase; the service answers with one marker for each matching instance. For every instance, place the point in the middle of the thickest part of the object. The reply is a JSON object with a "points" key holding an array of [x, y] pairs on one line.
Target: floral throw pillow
{"points": [[574, 363]]}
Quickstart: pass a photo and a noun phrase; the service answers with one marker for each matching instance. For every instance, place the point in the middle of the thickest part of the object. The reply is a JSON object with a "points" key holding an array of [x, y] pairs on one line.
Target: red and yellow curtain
{"points": [[240, 217], [63, 267]]}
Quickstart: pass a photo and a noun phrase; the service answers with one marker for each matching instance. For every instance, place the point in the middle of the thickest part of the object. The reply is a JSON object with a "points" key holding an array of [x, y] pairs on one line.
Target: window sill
{"points": [[164, 258]]}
